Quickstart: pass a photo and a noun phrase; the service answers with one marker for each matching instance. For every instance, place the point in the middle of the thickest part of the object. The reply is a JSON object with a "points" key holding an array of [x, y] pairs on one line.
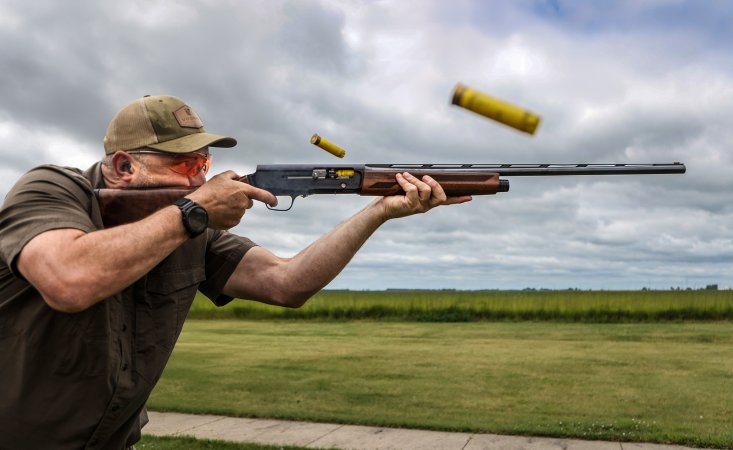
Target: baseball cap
{"points": [[162, 122]]}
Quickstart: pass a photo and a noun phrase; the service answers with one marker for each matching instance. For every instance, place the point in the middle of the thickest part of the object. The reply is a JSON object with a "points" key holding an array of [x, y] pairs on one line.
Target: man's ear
{"points": [[123, 165]]}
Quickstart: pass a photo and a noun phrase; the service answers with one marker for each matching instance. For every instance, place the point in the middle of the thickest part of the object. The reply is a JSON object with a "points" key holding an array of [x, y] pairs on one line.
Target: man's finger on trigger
{"points": [[262, 196]]}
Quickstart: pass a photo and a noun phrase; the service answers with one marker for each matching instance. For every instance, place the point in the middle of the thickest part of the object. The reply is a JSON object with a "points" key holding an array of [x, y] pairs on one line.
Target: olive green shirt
{"points": [[72, 381]]}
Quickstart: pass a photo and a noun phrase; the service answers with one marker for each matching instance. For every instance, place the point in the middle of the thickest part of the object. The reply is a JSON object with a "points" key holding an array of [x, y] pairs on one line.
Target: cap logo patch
{"points": [[187, 118]]}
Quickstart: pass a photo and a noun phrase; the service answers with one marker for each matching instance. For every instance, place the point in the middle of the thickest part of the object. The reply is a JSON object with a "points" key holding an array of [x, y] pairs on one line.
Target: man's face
{"points": [[168, 169]]}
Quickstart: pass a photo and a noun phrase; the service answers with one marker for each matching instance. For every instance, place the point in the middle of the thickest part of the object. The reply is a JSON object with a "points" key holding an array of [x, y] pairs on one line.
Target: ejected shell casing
{"points": [[330, 147], [496, 109]]}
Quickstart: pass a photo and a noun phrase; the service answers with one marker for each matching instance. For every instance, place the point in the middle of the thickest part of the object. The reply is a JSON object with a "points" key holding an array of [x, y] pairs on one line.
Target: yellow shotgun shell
{"points": [[495, 109], [345, 173], [330, 147]]}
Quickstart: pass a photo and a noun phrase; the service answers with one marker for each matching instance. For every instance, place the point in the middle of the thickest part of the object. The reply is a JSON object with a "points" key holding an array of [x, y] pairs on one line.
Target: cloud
{"points": [[611, 80]]}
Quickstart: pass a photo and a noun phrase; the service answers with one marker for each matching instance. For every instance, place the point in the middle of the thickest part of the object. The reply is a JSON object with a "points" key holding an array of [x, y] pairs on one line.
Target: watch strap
{"points": [[186, 205]]}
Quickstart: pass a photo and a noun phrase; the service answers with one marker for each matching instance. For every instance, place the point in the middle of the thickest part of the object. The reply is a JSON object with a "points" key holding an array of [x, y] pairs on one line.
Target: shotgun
{"points": [[119, 206]]}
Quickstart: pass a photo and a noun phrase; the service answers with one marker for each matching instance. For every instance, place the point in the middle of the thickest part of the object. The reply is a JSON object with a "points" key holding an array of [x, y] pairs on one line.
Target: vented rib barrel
{"points": [[542, 169]]}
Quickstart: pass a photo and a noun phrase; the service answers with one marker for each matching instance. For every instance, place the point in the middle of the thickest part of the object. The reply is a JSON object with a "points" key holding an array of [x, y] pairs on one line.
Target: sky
{"points": [[614, 81]]}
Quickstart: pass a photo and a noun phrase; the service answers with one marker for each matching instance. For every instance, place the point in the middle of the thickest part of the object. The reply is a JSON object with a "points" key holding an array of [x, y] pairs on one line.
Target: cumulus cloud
{"points": [[614, 81]]}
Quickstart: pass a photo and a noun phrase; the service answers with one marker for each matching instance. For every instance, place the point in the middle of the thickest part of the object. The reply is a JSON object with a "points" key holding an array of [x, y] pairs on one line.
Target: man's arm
{"points": [[73, 269], [265, 277]]}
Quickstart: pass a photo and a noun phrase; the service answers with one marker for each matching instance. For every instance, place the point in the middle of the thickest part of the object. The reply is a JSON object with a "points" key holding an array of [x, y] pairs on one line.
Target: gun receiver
{"points": [[120, 206]]}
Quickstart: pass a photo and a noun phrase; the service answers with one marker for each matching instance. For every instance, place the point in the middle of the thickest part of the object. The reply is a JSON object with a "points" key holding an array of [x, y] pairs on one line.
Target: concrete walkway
{"points": [[325, 435]]}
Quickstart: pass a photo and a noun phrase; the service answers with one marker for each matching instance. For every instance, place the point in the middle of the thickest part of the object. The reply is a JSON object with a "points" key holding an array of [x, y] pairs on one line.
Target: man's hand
{"points": [[226, 199], [420, 196]]}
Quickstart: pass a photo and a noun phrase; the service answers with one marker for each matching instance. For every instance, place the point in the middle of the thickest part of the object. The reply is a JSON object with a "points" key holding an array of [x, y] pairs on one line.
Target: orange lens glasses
{"points": [[189, 164]]}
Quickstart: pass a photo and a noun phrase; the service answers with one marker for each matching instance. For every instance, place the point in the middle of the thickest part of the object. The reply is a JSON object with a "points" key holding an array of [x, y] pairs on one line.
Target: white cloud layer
{"points": [[621, 81]]}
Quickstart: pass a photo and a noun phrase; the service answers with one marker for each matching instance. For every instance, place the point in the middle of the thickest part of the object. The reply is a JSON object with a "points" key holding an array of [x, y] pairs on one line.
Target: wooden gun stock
{"points": [[121, 206]]}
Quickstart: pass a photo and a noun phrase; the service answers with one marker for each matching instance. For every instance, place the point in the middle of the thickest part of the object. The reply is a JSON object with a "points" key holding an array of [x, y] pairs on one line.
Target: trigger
{"points": [[292, 202]]}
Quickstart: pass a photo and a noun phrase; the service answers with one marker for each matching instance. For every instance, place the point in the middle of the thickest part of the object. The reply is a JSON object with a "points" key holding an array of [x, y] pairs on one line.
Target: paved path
{"points": [[326, 435]]}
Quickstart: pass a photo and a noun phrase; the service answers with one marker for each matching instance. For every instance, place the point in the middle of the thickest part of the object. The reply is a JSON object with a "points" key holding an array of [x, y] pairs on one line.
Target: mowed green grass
{"points": [[466, 306], [658, 382], [187, 443]]}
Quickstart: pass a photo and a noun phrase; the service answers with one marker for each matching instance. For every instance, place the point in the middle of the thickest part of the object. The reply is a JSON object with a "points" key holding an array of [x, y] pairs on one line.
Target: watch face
{"points": [[198, 219]]}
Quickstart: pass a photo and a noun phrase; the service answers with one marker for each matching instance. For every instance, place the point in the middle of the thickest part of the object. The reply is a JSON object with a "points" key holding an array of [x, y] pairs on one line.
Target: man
{"points": [[89, 316]]}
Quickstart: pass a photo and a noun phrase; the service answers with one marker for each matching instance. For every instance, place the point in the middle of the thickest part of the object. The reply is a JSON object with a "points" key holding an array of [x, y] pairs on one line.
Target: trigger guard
{"points": [[292, 202]]}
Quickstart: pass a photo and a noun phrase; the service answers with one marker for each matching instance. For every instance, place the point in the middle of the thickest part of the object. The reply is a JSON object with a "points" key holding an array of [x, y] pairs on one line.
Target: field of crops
{"points": [[468, 306]]}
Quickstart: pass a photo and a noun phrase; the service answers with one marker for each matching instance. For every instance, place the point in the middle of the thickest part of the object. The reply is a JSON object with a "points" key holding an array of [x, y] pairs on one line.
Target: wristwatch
{"points": [[195, 218]]}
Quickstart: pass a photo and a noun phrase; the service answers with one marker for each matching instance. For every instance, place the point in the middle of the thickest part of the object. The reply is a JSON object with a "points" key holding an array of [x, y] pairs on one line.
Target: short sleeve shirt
{"points": [[72, 381]]}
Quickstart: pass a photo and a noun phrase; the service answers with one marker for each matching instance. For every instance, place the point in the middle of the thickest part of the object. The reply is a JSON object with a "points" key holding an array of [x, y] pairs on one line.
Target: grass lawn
{"points": [[659, 382], [178, 443]]}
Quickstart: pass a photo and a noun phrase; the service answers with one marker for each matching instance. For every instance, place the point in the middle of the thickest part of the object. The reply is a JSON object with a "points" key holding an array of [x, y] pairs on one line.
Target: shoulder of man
{"points": [[45, 198], [51, 173], [50, 178]]}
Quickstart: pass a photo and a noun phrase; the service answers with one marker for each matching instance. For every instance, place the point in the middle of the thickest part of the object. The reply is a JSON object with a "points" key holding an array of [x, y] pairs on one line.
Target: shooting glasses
{"points": [[189, 164]]}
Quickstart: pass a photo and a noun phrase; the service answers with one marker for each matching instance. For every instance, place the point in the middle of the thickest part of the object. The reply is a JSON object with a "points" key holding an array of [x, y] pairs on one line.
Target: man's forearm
{"points": [[74, 270], [318, 264], [290, 282]]}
